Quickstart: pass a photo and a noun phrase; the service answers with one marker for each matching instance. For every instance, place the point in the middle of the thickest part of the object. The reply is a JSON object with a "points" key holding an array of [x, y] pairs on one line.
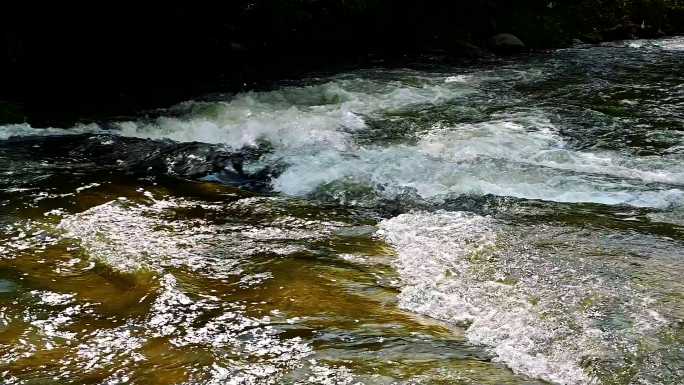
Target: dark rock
{"points": [[143, 157], [592, 37], [624, 31], [463, 48], [650, 32], [506, 43]]}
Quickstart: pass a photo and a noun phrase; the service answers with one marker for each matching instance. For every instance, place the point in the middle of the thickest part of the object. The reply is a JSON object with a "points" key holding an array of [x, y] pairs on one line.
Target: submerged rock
{"points": [[7, 287], [506, 43], [144, 157]]}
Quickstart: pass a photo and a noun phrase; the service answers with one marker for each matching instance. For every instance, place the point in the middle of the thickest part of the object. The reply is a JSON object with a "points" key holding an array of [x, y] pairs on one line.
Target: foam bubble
{"points": [[25, 129], [673, 44], [546, 310], [518, 155], [291, 117], [117, 231], [314, 131]]}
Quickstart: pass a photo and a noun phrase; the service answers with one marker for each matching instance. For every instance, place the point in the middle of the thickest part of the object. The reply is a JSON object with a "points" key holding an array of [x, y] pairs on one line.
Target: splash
{"points": [[544, 311], [520, 156]]}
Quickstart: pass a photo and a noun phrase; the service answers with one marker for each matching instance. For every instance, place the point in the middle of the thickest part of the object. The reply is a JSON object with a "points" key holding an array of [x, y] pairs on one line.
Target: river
{"points": [[518, 222]]}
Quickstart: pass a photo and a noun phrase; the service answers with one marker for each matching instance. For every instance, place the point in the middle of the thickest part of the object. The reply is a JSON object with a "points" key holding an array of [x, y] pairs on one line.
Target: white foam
{"points": [[131, 237], [312, 130], [457, 79], [675, 43], [25, 129], [545, 315], [291, 117], [671, 44], [520, 156]]}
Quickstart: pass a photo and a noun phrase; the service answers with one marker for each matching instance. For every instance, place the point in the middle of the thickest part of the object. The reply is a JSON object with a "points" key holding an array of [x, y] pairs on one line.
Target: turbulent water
{"points": [[514, 222]]}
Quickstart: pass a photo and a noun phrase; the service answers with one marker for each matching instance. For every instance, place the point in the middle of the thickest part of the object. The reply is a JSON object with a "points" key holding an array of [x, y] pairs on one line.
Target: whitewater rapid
{"points": [[518, 154], [571, 301]]}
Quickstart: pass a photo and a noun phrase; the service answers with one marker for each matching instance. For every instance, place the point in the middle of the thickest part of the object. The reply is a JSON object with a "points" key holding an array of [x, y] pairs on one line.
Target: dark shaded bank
{"points": [[60, 63]]}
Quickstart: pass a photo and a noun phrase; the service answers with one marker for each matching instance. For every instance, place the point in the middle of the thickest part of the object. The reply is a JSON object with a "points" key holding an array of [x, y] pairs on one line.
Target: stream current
{"points": [[514, 222]]}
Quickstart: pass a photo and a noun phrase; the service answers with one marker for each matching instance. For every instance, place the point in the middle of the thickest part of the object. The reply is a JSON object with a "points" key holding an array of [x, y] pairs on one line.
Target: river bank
{"points": [[61, 64]]}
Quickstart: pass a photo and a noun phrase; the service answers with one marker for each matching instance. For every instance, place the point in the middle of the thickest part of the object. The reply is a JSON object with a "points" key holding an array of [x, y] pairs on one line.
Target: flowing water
{"points": [[517, 222]]}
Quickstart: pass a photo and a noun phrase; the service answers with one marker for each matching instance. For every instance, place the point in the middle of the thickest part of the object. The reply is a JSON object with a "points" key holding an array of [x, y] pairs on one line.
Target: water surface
{"points": [[519, 222]]}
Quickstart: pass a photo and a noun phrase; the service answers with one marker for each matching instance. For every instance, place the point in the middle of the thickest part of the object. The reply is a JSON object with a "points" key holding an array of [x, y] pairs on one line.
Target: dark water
{"points": [[516, 223]]}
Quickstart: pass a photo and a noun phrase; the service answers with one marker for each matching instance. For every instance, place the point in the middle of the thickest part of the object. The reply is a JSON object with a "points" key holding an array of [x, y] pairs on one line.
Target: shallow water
{"points": [[519, 222]]}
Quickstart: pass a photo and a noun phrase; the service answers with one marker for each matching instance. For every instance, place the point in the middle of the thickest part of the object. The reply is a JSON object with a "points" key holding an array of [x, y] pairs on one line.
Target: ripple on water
{"points": [[246, 349], [544, 309], [273, 289], [131, 236]]}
